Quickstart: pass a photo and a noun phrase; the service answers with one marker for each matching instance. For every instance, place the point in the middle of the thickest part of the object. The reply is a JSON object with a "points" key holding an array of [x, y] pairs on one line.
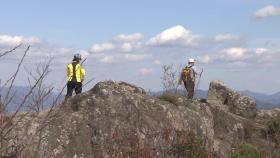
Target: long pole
{"points": [[197, 84], [179, 83], [83, 61]]}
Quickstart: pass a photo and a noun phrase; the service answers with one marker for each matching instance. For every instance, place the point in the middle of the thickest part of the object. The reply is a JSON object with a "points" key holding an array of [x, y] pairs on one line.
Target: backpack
{"points": [[186, 73]]}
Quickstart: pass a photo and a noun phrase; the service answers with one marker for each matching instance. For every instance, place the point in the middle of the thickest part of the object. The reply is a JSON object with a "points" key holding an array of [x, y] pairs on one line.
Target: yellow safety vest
{"points": [[79, 71]]}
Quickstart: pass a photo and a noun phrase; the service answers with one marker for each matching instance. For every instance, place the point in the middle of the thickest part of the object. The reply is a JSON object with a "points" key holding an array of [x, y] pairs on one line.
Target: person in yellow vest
{"points": [[188, 76], [76, 75]]}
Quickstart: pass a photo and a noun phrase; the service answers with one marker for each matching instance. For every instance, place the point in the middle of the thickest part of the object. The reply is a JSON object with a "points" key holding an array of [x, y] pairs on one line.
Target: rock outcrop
{"points": [[116, 119], [220, 95], [113, 120], [237, 120]]}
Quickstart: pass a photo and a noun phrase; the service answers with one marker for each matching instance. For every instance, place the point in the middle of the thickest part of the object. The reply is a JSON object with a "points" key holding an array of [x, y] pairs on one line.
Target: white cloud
{"points": [[226, 37], [129, 47], [267, 11], [102, 47], [250, 56], [178, 36], [146, 71], [137, 57], [235, 53], [84, 54], [260, 51], [39, 51], [107, 59], [120, 43], [206, 59], [157, 62], [129, 38], [237, 66], [60, 55], [6, 40], [126, 47], [175, 36], [64, 50]]}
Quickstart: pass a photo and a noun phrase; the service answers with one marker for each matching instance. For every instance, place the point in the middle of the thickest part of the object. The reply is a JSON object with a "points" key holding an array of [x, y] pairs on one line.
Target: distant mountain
{"points": [[263, 101], [275, 98], [17, 93]]}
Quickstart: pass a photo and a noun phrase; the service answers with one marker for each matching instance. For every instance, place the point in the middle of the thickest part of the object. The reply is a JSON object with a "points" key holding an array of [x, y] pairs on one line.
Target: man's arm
{"points": [[196, 70], [83, 74], [67, 71]]}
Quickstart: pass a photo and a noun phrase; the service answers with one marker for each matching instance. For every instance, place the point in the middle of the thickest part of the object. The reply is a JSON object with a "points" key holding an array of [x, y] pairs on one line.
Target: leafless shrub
{"points": [[170, 78], [6, 127], [42, 91], [11, 80], [34, 98]]}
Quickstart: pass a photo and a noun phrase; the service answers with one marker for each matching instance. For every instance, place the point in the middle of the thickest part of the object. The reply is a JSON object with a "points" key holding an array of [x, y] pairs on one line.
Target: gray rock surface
{"points": [[112, 120], [220, 95], [237, 120], [116, 119]]}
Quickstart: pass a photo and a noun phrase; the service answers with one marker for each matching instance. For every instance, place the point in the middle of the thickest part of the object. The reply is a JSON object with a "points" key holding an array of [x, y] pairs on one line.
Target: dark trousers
{"points": [[71, 86], [189, 85]]}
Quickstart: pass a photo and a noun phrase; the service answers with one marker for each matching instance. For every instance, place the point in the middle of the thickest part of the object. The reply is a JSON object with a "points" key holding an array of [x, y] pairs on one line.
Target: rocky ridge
{"points": [[116, 119]]}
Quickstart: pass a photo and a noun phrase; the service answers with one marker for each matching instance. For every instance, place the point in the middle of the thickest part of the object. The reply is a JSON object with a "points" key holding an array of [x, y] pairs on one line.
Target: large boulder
{"points": [[220, 95], [117, 119], [266, 115], [114, 119], [237, 121]]}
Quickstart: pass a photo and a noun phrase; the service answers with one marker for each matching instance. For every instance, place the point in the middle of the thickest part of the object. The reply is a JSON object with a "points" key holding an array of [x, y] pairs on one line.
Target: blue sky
{"points": [[236, 41]]}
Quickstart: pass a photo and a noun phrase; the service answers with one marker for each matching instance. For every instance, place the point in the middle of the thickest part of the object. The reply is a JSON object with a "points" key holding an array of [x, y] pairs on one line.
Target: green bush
{"points": [[274, 126], [246, 151], [171, 98]]}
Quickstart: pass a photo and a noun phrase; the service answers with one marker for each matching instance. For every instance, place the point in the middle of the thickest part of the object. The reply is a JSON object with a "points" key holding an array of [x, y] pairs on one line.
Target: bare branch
{"points": [[42, 91], [24, 101], [12, 79], [169, 79], [10, 51]]}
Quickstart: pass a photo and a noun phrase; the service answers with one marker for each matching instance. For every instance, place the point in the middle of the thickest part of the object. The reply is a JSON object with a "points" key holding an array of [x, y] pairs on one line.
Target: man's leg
{"points": [[78, 87], [190, 90], [70, 88], [186, 87]]}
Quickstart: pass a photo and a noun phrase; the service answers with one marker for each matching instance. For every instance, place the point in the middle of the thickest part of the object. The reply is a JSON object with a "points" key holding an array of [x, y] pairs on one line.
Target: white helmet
{"points": [[191, 60]]}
